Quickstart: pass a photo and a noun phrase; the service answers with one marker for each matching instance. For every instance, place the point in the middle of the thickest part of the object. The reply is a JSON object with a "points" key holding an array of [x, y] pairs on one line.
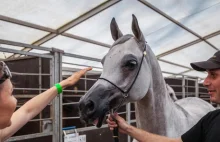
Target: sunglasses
{"points": [[5, 72]]}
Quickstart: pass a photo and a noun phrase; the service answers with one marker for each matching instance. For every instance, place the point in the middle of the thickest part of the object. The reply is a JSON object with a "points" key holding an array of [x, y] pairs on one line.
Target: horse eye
{"points": [[131, 64]]}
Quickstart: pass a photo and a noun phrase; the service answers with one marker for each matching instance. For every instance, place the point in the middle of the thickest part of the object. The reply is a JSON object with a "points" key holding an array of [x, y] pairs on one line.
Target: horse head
{"points": [[126, 75]]}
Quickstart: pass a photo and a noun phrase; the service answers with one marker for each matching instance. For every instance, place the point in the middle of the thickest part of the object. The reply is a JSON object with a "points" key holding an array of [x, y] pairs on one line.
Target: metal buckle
{"points": [[125, 95]]}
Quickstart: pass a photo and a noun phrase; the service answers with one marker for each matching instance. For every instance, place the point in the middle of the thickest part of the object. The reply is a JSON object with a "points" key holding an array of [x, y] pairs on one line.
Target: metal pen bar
{"points": [[183, 87], [128, 117], [41, 119], [203, 88], [24, 53], [40, 86], [30, 89], [190, 86], [78, 91], [30, 136], [67, 118], [30, 74], [89, 79], [19, 44], [203, 93], [192, 79], [26, 24], [72, 103], [196, 88], [175, 85], [81, 65], [176, 78], [72, 96], [52, 107], [82, 57], [86, 40], [133, 121]]}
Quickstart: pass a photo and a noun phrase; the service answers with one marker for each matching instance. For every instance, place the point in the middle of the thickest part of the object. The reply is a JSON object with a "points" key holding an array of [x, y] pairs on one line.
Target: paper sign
{"points": [[71, 137], [82, 138]]}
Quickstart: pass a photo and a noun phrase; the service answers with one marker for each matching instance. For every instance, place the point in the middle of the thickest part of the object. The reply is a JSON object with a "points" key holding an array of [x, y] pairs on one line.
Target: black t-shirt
{"points": [[206, 130]]}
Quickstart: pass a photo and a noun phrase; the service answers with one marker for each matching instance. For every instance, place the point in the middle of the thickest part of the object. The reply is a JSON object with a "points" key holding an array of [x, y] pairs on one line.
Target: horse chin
{"points": [[98, 122], [98, 118]]}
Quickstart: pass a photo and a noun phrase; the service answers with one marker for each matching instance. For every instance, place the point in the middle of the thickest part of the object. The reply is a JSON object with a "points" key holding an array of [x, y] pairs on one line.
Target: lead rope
{"points": [[115, 130]]}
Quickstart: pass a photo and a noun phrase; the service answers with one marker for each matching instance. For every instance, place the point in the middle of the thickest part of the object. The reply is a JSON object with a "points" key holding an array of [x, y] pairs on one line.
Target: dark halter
{"points": [[126, 91], [124, 94]]}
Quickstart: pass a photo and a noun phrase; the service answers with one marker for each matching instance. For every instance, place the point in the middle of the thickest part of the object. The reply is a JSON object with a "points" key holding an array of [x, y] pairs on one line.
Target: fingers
{"points": [[110, 117], [83, 71], [111, 124], [118, 118], [80, 73]]}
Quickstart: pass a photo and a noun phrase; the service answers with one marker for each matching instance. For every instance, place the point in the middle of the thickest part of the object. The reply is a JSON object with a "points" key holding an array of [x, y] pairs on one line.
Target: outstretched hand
{"points": [[122, 125], [74, 77]]}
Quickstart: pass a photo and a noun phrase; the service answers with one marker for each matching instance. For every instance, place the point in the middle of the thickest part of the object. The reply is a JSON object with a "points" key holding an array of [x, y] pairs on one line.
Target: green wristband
{"points": [[59, 88]]}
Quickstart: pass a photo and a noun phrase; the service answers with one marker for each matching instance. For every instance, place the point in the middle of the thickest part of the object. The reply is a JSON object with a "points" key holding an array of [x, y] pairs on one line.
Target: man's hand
{"points": [[121, 123], [138, 134]]}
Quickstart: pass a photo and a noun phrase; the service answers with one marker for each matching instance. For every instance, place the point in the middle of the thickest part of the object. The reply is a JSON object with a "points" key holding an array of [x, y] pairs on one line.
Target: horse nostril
{"points": [[90, 106], [81, 106]]}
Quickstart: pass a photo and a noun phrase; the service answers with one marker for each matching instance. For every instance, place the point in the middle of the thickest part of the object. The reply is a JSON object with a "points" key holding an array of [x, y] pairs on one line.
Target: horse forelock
{"points": [[122, 40]]}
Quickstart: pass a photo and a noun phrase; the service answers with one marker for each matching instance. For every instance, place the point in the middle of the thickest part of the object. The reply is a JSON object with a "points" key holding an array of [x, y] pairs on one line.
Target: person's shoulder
{"points": [[212, 114], [216, 111]]}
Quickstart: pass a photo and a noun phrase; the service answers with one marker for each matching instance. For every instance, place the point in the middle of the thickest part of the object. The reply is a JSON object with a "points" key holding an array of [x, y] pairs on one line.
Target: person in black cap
{"points": [[206, 130]]}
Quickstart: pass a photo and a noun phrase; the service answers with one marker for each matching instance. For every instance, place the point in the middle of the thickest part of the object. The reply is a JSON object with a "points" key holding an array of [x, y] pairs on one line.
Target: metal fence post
{"points": [[57, 102], [183, 87], [128, 117], [40, 87], [197, 87]]}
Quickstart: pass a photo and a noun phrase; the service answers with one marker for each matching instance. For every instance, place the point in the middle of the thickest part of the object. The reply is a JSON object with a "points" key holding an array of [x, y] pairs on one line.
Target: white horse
{"points": [[171, 93], [131, 73]]}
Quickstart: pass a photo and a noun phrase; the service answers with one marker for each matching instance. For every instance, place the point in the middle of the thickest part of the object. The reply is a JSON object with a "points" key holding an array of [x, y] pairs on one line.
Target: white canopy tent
{"points": [[179, 32]]}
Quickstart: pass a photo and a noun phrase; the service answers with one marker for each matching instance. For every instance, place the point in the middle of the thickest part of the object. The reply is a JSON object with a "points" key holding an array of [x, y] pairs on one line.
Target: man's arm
{"points": [[143, 136], [138, 134], [34, 106]]}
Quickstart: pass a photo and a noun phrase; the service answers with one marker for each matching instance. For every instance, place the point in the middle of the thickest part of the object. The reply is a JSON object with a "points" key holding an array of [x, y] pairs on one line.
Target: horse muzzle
{"points": [[96, 103]]}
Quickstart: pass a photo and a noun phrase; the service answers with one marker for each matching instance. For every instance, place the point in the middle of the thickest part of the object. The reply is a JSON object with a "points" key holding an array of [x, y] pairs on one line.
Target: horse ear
{"points": [[136, 30], [116, 33]]}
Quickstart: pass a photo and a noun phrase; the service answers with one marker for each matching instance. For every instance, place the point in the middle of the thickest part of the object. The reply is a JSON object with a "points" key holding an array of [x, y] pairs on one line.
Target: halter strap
{"points": [[125, 92]]}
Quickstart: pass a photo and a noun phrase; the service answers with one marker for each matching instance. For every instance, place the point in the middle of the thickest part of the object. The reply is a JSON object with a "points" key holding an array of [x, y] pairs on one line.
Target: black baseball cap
{"points": [[211, 64]]}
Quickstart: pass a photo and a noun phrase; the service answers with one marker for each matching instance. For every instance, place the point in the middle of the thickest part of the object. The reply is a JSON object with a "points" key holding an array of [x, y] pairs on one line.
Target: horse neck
{"points": [[153, 111]]}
